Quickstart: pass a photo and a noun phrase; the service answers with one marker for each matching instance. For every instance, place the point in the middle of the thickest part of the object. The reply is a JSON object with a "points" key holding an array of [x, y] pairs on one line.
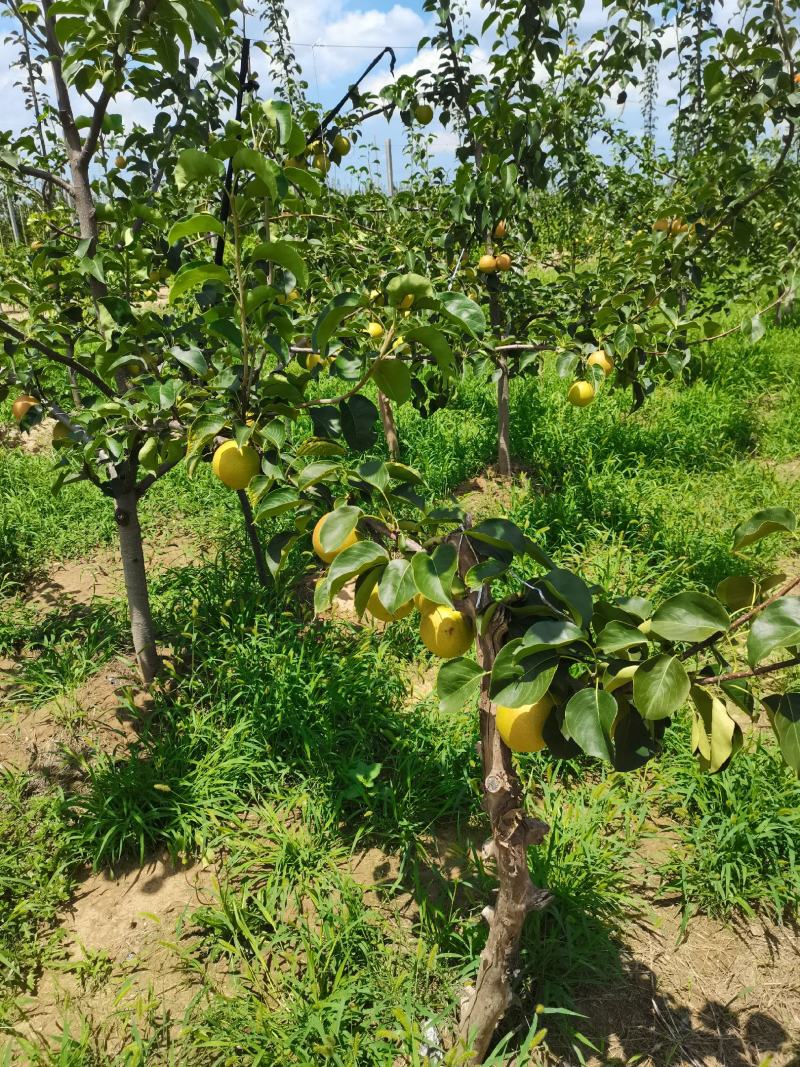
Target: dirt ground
{"points": [[715, 996]]}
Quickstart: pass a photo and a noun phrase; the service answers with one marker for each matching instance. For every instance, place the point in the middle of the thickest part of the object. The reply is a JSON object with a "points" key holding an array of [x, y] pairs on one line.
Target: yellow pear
{"points": [[446, 632], [236, 467], [521, 728], [330, 556]]}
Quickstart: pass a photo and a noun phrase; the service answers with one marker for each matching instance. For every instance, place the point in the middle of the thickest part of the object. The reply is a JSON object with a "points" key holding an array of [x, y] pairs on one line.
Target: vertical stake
{"points": [[389, 168]]}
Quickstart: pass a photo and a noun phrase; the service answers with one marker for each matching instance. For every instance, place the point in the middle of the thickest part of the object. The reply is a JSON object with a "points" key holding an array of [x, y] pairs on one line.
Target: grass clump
{"points": [[34, 882], [739, 831]]}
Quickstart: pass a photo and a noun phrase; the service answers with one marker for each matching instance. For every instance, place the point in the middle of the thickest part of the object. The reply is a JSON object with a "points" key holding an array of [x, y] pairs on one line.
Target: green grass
{"points": [[738, 830], [35, 881]]}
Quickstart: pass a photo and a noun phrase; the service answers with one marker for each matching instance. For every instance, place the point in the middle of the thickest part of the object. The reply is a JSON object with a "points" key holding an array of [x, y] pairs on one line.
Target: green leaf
{"points": [[551, 633], [116, 9], [263, 168], [463, 312], [762, 524], [358, 417], [397, 585], [777, 626], [355, 560], [277, 549], [338, 526], [316, 472], [196, 278], [738, 690], [202, 222], [330, 317], [690, 616], [404, 285], [279, 114], [458, 681], [437, 344], [715, 736], [784, 711], [303, 180], [737, 592], [285, 255], [364, 586], [393, 378], [588, 718], [616, 636], [519, 681], [194, 165], [506, 535], [277, 503], [434, 574], [660, 686], [203, 429], [374, 473], [624, 339], [192, 358], [571, 591], [633, 745]]}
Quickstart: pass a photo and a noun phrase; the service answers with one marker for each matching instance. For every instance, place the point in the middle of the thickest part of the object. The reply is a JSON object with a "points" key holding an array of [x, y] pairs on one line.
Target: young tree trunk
{"points": [[132, 552], [389, 428], [503, 424], [255, 540], [513, 832]]}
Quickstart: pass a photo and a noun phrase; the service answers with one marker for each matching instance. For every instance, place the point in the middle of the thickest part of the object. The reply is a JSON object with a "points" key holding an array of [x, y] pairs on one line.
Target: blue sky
{"points": [[334, 41]]}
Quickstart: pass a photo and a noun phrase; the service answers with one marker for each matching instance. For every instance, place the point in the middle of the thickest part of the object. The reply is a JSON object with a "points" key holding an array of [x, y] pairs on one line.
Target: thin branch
{"points": [[40, 173], [57, 357], [362, 381], [27, 26], [757, 672], [120, 55]]}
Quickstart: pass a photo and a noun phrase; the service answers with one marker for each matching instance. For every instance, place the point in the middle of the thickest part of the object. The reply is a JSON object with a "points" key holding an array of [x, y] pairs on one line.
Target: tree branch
{"points": [[757, 672], [109, 88], [40, 173], [57, 357]]}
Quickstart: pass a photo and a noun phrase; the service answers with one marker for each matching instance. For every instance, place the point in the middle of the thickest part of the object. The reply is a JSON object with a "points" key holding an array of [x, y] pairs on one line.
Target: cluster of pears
{"points": [[491, 264], [444, 631], [583, 392], [320, 154], [672, 227]]}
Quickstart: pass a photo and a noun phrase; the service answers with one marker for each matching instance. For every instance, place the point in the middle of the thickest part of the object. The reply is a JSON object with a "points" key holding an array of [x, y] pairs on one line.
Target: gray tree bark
{"points": [[131, 550]]}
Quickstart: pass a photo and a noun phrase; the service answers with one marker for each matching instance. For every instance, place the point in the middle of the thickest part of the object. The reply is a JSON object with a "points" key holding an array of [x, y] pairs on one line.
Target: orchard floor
{"points": [[273, 858]]}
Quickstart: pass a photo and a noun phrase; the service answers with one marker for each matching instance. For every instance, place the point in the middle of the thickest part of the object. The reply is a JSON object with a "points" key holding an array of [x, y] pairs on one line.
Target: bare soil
{"points": [[125, 939], [716, 996], [78, 582], [49, 742]]}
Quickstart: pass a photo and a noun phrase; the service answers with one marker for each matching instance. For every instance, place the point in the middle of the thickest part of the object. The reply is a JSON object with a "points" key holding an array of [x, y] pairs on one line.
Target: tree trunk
{"points": [[255, 541], [503, 422], [503, 426], [513, 832], [389, 428], [132, 553]]}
